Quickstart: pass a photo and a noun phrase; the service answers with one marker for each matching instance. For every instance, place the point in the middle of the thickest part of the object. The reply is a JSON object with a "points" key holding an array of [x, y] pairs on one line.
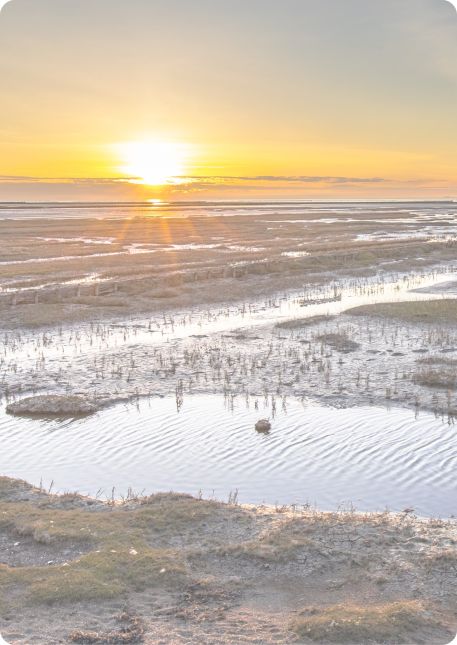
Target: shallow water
{"points": [[64, 344], [211, 208], [370, 457]]}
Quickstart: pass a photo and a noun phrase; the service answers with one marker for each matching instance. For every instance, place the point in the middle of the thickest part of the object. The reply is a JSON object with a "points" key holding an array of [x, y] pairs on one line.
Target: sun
{"points": [[154, 163]]}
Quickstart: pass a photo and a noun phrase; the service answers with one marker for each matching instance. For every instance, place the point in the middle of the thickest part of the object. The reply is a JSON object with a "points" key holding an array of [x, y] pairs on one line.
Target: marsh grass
{"points": [[354, 624], [131, 630], [442, 311], [300, 323], [121, 543], [443, 378], [438, 360], [308, 359], [339, 341]]}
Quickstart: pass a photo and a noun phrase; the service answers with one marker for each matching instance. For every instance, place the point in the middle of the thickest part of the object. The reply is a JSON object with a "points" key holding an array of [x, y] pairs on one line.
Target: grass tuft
{"points": [[299, 323], [121, 543], [361, 624], [131, 631], [339, 341], [278, 544], [442, 311], [444, 378]]}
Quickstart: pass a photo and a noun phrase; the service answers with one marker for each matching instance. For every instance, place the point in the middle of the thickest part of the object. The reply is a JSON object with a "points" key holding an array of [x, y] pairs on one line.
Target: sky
{"points": [[105, 100]]}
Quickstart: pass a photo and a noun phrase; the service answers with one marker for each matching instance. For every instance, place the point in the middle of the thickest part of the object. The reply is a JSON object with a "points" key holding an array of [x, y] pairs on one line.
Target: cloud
{"points": [[23, 179], [453, 3], [211, 179], [3, 3], [294, 179]]}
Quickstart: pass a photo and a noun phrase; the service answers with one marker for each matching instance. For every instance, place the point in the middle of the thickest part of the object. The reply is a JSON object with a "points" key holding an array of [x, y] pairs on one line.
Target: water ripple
{"points": [[371, 456]]}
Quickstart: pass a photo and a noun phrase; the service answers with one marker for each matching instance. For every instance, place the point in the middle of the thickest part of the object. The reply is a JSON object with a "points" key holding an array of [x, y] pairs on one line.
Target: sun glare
{"points": [[153, 163]]}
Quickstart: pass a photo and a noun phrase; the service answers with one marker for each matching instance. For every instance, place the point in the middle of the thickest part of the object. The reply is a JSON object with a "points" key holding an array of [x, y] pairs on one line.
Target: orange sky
{"points": [[228, 99]]}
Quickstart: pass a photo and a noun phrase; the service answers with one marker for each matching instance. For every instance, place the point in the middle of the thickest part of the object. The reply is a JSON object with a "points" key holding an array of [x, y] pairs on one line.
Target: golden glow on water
{"points": [[153, 163]]}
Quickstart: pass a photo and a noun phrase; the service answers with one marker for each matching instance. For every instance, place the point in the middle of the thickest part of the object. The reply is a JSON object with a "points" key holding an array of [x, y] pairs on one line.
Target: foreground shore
{"points": [[173, 569]]}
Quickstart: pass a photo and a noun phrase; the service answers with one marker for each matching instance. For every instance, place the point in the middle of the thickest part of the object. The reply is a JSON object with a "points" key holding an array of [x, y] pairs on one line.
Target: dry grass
{"points": [[443, 379], [446, 558], [339, 341], [121, 554], [299, 323], [438, 360], [361, 624], [192, 560], [275, 544], [434, 311], [131, 631]]}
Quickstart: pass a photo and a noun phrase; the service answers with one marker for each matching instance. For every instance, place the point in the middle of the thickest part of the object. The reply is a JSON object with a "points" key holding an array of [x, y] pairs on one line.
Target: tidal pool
{"points": [[371, 458]]}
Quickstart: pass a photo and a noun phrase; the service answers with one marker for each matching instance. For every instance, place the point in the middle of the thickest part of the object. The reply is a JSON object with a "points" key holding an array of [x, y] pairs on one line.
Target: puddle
{"points": [[370, 457]]}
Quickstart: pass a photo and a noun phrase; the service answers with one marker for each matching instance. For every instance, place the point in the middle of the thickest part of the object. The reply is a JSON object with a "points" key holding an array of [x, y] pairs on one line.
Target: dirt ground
{"points": [[173, 569]]}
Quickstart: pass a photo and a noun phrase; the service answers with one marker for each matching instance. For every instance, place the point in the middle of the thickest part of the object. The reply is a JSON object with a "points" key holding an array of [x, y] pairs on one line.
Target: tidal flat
{"points": [[175, 334]]}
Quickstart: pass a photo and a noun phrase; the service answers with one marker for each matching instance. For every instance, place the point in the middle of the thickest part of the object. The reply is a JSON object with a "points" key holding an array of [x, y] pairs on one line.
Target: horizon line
{"points": [[159, 202]]}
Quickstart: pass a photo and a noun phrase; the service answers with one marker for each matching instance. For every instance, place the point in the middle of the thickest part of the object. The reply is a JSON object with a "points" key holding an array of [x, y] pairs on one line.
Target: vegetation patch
{"points": [[361, 624], [276, 544], [442, 311], [184, 561], [120, 543], [438, 360], [131, 631], [339, 341], [52, 405], [444, 378], [299, 323]]}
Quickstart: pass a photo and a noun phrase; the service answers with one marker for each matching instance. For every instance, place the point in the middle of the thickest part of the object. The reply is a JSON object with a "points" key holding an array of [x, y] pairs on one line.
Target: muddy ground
{"points": [[172, 569]]}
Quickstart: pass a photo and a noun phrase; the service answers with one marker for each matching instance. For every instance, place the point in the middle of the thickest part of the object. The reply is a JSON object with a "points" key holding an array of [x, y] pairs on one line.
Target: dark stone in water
{"points": [[263, 426]]}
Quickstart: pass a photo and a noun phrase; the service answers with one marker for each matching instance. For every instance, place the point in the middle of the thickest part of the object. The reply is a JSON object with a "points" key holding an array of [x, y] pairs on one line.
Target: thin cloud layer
{"points": [[130, 189]]}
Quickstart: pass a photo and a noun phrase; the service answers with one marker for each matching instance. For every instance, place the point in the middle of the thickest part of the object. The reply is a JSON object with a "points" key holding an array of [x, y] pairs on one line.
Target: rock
{"points": [[263, 426], [52, 405]]}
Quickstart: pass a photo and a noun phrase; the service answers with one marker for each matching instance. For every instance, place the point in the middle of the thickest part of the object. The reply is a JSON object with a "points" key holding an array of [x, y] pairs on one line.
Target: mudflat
{"points": [[115, 261]]}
